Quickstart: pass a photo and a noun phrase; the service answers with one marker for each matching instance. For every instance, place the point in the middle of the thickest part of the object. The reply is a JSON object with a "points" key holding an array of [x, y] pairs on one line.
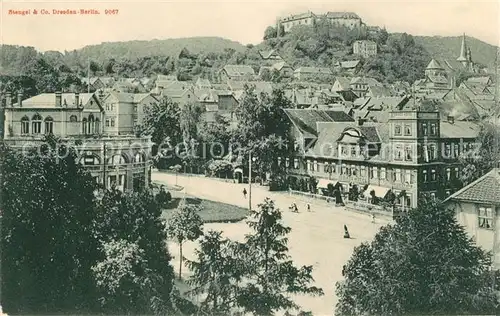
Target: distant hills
{"points": [[167, 47], [448, 47]]}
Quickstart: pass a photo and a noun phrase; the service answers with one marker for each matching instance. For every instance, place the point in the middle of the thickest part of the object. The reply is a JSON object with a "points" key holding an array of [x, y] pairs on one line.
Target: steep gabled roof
{"points": [[306, 119], [349, 64], [239, 70], [434, 64], [486, 189]]}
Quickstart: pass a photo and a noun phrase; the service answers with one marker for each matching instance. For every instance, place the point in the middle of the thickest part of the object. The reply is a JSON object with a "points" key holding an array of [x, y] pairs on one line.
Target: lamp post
{"points": [[250, 159]]}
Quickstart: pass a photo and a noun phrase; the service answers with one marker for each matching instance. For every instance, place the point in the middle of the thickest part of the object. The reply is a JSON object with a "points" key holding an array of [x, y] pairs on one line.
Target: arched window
{"points": [[97, 125], [117, 160], [25, 125], [36, 124], [84, 126], [49, 125], [91, 124], [139, 157], [73, 118]]}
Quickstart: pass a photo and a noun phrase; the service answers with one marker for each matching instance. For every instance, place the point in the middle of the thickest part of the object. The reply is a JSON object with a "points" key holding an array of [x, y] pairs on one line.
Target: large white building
{"points": [[347, 19]]}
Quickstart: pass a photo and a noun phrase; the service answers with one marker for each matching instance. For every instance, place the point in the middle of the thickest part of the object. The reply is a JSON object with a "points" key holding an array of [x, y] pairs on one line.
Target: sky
{"points": [[242, 21]]}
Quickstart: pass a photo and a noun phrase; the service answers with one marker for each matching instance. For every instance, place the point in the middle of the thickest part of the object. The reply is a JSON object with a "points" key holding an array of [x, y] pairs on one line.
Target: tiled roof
{"points": [[123, 97], [260, 86], [349, 64], [205, 83], [434, 64], [306, 119], [279, 65], [479, 80], [238, 70], [459, 129], [342, 15], [344, 82], [48, 100], [378, 91], [484, 190], [266, 54], [166, 78], [314, 70], [438, 79], [365, 80], [294, 17]]}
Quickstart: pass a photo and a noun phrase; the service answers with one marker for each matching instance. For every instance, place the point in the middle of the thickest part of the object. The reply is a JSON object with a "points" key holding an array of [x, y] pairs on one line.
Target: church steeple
{"points": [[463, 52]]}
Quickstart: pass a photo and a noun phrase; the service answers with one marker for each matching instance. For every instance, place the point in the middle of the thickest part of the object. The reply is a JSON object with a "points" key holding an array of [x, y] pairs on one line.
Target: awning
{"points": [[323, 183], [238, 170], [380, 192]]}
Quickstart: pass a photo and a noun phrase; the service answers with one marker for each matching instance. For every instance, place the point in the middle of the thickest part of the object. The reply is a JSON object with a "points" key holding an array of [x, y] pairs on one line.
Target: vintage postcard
{"points": [[249, 157]]}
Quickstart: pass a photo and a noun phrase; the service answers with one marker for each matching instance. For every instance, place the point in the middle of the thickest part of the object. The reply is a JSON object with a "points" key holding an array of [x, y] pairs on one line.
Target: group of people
{"points": [[295, 209]]}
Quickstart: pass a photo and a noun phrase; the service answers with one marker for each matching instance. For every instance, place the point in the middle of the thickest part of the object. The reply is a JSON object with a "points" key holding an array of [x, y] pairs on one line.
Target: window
{"points": [[25, 125], [354, 170], [107, 122], [36, 126], [485, 217], [408, 178], [448, 192], [333, 168], [424, 128], [84, 126], [433, 152], [343, 150], [433, 195], [326, 167], [397, 175], [433, 129], [448, 174], [399, 153], [279, 161], [397, 130], [309, 165], [112, 107], [457, 174], [433, 174], [73, 118], [107, 107], [315, 166], [456, 150], [425, 176], [49, 125], [362, 171], [97, 126], [408, 153], [374, 173], [353, 151], [343, 170], [383, 174], [135, 108], [287, 162], [296, 163], [112, 122], [407, 130], [447, 150]]}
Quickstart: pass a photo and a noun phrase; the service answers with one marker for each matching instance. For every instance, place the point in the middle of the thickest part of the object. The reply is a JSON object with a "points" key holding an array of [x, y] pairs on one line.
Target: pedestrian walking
{"points": [[346, 232], [308, 207], [245, 193], [373, 217]]}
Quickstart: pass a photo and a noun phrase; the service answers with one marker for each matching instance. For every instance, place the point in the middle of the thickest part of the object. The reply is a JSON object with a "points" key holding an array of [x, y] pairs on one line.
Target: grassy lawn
{"points": [[212, 212]]}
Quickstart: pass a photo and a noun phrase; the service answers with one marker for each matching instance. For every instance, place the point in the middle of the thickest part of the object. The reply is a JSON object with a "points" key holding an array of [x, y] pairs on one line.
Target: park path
{"points": [[316, 238]]}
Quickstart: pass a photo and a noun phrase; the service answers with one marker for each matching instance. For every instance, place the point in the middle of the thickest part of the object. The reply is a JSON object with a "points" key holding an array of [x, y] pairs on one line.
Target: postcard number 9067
{"points": [[111, 12]]}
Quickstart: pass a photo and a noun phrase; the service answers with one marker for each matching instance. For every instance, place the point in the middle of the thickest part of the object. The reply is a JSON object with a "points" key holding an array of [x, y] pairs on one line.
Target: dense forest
{"points": [[401, 57]]}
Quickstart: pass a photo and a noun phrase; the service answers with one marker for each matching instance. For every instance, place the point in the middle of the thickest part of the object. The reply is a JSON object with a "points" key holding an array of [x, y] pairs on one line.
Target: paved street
{"points": [[316, 238]]}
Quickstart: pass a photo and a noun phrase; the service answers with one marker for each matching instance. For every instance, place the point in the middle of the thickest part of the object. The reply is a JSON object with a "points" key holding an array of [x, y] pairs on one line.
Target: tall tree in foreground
{"points": [[185, 225], [217, 272], [48, 245], [162, 122], [271, 274], [424, 264], [130, 227]]}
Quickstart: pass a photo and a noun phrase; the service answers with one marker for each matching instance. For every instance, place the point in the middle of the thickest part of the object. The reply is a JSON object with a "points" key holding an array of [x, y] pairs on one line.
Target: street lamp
{"points": [[250, 159]]}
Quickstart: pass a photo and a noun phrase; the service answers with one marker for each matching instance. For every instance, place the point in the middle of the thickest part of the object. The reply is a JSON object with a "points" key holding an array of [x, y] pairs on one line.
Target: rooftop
{"points": [[486, 189]]}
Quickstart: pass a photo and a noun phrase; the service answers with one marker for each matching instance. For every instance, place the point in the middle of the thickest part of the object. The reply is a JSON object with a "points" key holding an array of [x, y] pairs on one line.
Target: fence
{"points": [[358, 207]]}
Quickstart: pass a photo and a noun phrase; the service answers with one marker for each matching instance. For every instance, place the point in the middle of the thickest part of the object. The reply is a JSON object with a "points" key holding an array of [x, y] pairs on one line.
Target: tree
{"points": [[217, 273], [425, 263], [130, 224], [48, 244], [161, 121], [270, 32], [482, 156], [185, 225], [163, 197], [271, 276]]}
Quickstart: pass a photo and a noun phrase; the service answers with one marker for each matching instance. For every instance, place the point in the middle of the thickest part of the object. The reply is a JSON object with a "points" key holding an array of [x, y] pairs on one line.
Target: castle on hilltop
{"points": [[347, 19]]}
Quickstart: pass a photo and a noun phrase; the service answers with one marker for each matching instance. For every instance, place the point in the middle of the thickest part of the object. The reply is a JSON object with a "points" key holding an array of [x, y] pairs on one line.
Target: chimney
{"points": [[58, 99], [77, 99], [20, 99], [8, 100], [360, 121], [451, 119]]}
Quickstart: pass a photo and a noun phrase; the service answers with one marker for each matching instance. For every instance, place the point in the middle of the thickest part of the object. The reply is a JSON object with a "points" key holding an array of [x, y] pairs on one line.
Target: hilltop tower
{"points": [[463, 53]]}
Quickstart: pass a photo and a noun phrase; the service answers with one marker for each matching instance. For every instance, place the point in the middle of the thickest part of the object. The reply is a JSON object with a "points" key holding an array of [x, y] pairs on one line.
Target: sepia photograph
{"points": [[250, 158]]}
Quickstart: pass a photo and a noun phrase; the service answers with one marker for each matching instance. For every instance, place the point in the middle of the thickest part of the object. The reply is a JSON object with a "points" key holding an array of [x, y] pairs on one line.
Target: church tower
{"points": [[464, 54]]}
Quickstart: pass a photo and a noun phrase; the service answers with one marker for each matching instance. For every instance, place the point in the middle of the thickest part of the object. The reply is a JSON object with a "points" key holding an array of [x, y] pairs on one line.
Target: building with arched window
{"points": [[113, 158]]}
